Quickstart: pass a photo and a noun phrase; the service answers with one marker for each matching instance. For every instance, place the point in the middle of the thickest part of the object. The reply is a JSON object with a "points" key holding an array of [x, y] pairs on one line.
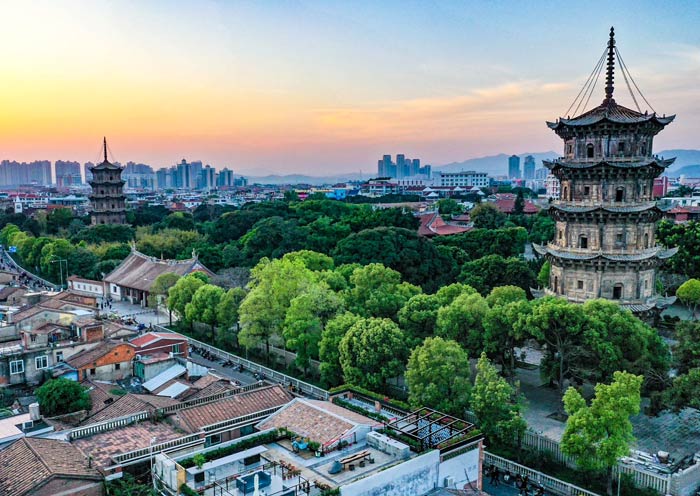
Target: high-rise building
{"points": [[541, 173], [401, 166], [139, 176], [415, 167], [514, 167], [225, 178], [86, 171], [107, 201], [207, 178], [605, 246], [67, 174], [529, 168]]}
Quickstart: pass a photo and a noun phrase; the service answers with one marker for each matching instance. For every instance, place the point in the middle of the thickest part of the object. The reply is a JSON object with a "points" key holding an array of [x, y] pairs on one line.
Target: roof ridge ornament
{"points": [[610, 71]]}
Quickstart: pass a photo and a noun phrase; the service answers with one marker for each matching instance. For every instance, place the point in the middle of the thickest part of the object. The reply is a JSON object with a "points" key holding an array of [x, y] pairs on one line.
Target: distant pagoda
{"points": [[107, 201], [604, 245]]}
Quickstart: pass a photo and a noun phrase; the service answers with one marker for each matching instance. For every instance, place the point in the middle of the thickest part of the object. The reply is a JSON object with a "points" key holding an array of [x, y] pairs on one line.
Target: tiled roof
{"points": [[508, 205], [152, 337], [30, 462], [573, 208], [127, 405], [88, 357], [320, 421], [219, 386], [139, 271], [432, 224], [564, 254], [612, 112], [194, 418], [619, 164]]}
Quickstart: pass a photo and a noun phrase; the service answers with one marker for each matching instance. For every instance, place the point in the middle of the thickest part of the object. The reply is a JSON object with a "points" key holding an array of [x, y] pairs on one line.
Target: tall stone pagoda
{"points": [[107, 201], [605, 245]]}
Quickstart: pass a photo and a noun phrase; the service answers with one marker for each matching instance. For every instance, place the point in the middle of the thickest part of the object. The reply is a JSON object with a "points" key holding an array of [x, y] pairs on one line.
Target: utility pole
{"points": [[60, 261]]}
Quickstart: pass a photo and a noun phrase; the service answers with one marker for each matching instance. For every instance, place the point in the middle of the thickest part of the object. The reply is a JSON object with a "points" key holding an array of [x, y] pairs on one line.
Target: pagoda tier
{"points": [[604, 243], [108, 203]]}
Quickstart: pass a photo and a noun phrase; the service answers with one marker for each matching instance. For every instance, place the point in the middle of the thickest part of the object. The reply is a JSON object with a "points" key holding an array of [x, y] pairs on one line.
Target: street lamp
{"points": [[60, 262]]}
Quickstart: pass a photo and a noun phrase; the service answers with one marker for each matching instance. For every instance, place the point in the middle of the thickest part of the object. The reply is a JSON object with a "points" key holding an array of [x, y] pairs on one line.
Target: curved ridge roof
{"points": [[620, 164], [611, 112], [605, 208], [658, 252]]}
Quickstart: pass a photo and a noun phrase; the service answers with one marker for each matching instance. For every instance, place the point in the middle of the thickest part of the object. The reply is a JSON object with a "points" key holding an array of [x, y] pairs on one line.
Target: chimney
{"points": [[34, 412]]}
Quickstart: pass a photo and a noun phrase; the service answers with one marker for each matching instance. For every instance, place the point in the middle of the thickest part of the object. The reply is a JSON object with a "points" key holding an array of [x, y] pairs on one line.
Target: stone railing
{"points": [[208, 399], [551, 484], [136, 455], [240, 421]]}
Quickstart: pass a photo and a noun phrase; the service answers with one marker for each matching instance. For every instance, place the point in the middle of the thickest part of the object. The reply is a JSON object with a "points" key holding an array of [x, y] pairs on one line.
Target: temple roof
{"points": [[658, 252], [619, 164], [612, 112], [641, 207]]}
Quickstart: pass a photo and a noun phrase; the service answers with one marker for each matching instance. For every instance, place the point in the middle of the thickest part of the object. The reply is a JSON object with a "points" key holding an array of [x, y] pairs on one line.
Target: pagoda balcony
{"points": [[628, 250], [611, 158], [597, 203], [108, 210]]}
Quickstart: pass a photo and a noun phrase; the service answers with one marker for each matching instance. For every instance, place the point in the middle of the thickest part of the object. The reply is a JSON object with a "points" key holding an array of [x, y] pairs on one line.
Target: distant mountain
{"points": [[494, 164], [688, 171], [304, 179], [683, 159]]}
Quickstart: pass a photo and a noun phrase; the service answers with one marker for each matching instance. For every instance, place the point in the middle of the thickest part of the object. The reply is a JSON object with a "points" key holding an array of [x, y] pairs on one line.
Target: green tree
{"points": [[689, 294], [543, 228], [503, 295], [159, 291], [305, 320], [558, 325], [478, 243], [543, 275], [519, 204], [61, 396], [504, 331], [496, 406], [448, 206], [228, 314], [686, 351], [329, 347], [372, 352], [57, 219], [377, 291], [437, 375], [491, 271], [273, 285], [181, 293], [599, 434], [462, 321], [417, 318], [447, 294], [685, 392], [204, 305], [686, 236], [487, 216]]}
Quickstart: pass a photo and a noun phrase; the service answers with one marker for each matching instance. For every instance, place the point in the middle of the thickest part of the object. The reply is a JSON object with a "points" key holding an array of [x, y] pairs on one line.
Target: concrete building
{"points": [[529, 168], [462, 179], [67, 174], [605, 244]]}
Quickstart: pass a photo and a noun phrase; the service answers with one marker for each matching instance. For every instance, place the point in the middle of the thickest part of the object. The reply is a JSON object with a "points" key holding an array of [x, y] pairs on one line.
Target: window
{"points": [[176, 349], [41, 362], [213, 439], [16, 367], [117, 366], [556, 283], [644, 150], [579, 284], [617, 292], [589, 151], [619, 237], [32, 338], [586, 190], [621, 147], [646, 240], [92, 371], [620, 194], [561, 234], [59, 356], [583, 242]]}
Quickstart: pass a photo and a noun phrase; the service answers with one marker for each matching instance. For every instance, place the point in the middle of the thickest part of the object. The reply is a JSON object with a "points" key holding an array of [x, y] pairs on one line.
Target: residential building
{"points": [[552, 186], [108, 361], [47, 467], [139, 176], [161, 342], [225, 178], [514, 167], [67, 174]]}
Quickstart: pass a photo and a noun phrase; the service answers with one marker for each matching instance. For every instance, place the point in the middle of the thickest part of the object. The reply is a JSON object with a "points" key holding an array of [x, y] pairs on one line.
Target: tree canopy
{"points": [[61, 396]]}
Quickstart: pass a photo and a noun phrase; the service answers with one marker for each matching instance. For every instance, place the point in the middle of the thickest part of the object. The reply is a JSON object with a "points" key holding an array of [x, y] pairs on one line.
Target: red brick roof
{"points": [[30, 462], [507, 205], [432, 224], [88, 357], [194, 418]]}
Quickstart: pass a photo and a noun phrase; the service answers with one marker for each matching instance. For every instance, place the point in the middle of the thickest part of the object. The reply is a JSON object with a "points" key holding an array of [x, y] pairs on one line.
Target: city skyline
{"points": [[302, 86]]}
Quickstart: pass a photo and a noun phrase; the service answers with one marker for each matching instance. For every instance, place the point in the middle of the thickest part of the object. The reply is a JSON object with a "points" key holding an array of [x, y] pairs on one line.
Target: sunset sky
{"points": [[326, 87]]}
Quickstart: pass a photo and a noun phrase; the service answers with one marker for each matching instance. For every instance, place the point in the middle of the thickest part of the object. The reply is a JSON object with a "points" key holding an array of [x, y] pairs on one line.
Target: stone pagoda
{"points": [[604, 245], [107, 201]]}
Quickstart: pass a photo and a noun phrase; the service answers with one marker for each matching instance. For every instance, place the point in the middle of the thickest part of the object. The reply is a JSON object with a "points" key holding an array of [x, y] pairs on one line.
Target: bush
{"points": [[267, 437], [401, 405]]}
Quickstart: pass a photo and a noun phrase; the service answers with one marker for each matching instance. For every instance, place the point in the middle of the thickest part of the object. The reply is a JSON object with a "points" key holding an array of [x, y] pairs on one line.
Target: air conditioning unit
{"points": [[449, 481]]}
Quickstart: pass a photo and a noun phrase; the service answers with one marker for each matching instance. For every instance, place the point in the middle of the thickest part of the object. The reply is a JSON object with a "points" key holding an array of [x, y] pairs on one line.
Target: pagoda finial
{"points": [[610, 73], [104, 144]]}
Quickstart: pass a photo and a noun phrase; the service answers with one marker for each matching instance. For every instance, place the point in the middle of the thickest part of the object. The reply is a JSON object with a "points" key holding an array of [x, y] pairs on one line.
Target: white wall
{"points": [[415, 477], [456, 467]]}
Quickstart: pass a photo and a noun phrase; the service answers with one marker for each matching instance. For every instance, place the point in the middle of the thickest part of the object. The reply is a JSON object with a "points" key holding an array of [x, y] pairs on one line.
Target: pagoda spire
{"points": [[610, 72], [104, 145]]}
